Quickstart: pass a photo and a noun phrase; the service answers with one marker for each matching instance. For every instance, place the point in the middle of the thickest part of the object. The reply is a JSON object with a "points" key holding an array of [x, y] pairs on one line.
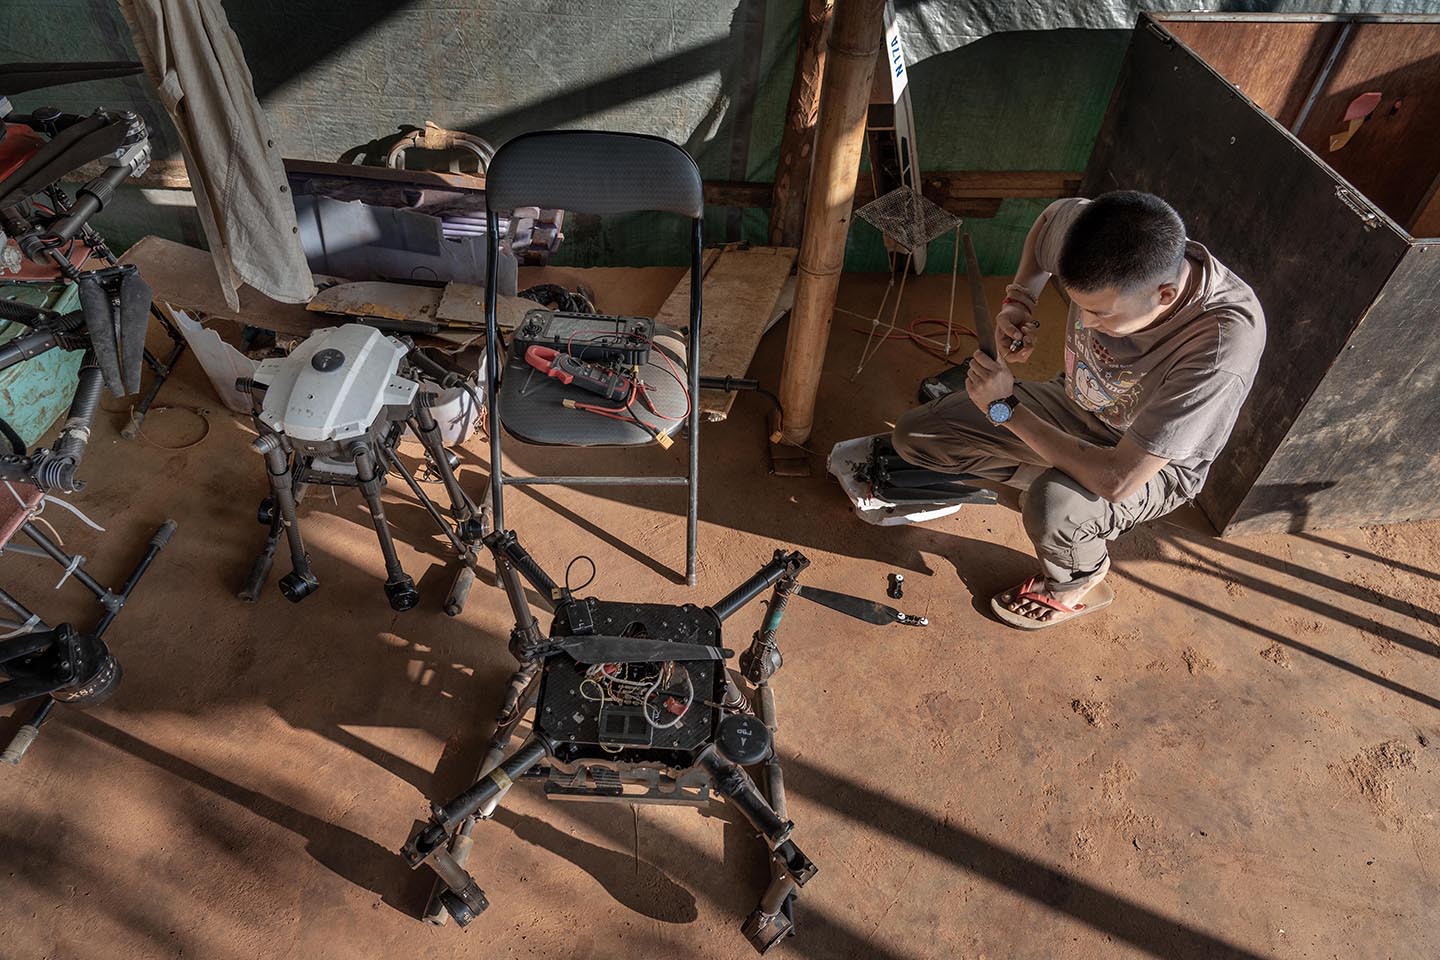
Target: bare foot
{"points": [[1030, 609]]}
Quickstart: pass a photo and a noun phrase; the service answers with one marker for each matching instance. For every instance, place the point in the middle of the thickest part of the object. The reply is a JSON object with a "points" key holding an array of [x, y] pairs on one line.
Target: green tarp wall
{"points": [[996, 86]]}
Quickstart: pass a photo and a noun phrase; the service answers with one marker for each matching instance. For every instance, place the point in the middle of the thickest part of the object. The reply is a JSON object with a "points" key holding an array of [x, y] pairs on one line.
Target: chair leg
{"points": [[691, 533]]}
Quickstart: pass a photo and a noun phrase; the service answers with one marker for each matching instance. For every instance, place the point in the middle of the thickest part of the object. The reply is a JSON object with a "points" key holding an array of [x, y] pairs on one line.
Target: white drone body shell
{"points": [[319, 405]]}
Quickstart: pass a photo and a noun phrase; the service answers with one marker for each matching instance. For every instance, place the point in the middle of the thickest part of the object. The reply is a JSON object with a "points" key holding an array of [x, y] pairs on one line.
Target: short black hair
{"points": [[1124, 239]]}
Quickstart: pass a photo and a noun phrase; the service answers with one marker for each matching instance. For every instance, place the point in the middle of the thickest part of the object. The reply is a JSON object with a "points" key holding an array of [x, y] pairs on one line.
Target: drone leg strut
{"points": [[471, 524], [463, 898], [399, 587], [519, 697], [774, 917], [462, 508], [300, 582]]}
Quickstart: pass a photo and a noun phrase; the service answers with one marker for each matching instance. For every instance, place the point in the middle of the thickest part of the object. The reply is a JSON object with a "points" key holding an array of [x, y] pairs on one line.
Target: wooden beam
{"points": [[797, 142], [962, 192], [839, 138], [962, 184], [735, 193], [354, 171], [172, 175], [965, 193], [162, 174]]}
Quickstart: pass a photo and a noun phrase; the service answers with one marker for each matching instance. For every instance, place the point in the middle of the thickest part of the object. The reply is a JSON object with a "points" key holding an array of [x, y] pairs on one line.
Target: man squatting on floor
{"points": [[1161, 346]]}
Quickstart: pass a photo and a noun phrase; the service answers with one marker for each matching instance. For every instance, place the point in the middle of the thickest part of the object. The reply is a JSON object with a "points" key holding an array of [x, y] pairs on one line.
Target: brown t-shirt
{"points": [[1174, 388]]}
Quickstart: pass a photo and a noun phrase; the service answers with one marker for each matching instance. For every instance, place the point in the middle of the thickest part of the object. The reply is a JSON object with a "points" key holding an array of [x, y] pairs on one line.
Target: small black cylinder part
{"points": [[90, 200], [743, 739], [457, 907], [459, 590], [402, 594], [297, 588], [897, 588]]}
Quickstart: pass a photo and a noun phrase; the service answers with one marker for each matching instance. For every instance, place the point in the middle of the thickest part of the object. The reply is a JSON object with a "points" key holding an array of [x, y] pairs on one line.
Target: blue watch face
{"points": [[1000, 411]]}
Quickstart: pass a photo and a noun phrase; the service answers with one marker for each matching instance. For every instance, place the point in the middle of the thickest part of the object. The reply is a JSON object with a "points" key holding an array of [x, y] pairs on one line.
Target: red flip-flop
{"points": [[1097, 599]]}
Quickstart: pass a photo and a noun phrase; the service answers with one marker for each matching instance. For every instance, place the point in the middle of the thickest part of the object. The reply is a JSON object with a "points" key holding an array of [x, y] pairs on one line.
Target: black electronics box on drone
{"points": [[592, 337]]}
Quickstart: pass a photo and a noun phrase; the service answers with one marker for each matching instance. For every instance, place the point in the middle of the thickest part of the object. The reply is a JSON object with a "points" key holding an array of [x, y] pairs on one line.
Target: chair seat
{"points": [[531, 408]]}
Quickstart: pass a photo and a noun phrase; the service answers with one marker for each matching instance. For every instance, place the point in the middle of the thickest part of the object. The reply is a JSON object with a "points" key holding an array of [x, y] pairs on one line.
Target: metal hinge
{"points": [[1368, 218]]}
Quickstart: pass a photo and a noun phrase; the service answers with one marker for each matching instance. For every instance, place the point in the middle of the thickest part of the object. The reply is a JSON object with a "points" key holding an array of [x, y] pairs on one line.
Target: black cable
{"points": [[546, 294], [779, 410], [736, 385], [16, 443], [593, 571]]}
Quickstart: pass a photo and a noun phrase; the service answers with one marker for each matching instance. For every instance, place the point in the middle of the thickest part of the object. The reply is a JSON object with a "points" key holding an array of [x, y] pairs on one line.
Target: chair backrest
{"points": [[595, 172]]}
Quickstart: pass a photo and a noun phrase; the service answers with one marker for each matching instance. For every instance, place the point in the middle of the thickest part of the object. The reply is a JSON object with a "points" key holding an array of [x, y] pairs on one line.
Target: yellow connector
{"points": [[569, 404], [664, 440]]}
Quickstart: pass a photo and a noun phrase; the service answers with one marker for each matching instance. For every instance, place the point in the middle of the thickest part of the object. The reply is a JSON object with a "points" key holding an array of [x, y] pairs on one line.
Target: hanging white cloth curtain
{"points": [[195, 62]]}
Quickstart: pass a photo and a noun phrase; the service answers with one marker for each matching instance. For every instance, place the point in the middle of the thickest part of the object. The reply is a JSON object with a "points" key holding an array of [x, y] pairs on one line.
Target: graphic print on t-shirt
{"points": [[1111, 394]]}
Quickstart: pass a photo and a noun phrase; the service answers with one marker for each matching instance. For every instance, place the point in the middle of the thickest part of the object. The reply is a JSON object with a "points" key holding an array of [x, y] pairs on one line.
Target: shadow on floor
{"points": [[358, 859], [1123, 919]]}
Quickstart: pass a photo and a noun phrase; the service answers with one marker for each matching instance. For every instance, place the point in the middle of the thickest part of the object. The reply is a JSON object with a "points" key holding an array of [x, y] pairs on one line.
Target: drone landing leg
{"points": [[519, 698], [300, 582], [463, 898]]}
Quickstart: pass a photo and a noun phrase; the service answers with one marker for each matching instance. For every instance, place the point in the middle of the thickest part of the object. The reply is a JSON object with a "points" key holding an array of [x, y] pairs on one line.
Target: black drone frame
{"points": [[116, 302], [742, 734], [60, 663]]}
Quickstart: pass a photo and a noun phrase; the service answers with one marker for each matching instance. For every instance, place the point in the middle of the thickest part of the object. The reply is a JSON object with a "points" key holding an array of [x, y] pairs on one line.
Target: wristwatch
{"points": [[1001, 411]]}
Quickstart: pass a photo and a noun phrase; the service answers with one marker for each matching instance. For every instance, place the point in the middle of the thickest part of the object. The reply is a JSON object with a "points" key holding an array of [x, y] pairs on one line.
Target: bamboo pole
{"points": [[797, 142], [839, 136]]}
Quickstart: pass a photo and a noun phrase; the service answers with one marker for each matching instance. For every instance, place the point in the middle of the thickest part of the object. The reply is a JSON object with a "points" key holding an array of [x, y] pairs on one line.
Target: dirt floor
{"points": [[1238, 759]]}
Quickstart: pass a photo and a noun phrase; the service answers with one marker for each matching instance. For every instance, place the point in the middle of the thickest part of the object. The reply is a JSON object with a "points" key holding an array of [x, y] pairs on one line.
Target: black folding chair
{"points": [[597, 173]]}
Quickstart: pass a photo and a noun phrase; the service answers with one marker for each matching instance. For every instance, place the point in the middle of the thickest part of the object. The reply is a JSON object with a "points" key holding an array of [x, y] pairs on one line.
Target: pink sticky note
{"points": [[1361, 106]]}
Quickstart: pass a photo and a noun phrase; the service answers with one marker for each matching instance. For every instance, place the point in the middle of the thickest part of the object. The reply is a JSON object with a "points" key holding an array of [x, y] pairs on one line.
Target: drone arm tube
{"points": [[735, 784], [782, 565], [26, 347], [531, 752], [92, 199], [504, 545]]}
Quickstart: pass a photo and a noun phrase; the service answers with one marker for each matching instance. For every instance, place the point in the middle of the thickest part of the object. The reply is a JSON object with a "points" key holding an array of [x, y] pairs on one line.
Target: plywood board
{"points": [[184, 277], [378, 298], [675, 311], [739, 294], [1427, 219], [465, 303], [1392, 157], [1363, 448], [1266, 210], [1274, 63]]}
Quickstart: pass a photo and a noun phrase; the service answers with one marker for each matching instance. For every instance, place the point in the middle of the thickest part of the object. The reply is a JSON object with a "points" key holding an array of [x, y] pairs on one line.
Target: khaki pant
{"points": [[1068, 524]]}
